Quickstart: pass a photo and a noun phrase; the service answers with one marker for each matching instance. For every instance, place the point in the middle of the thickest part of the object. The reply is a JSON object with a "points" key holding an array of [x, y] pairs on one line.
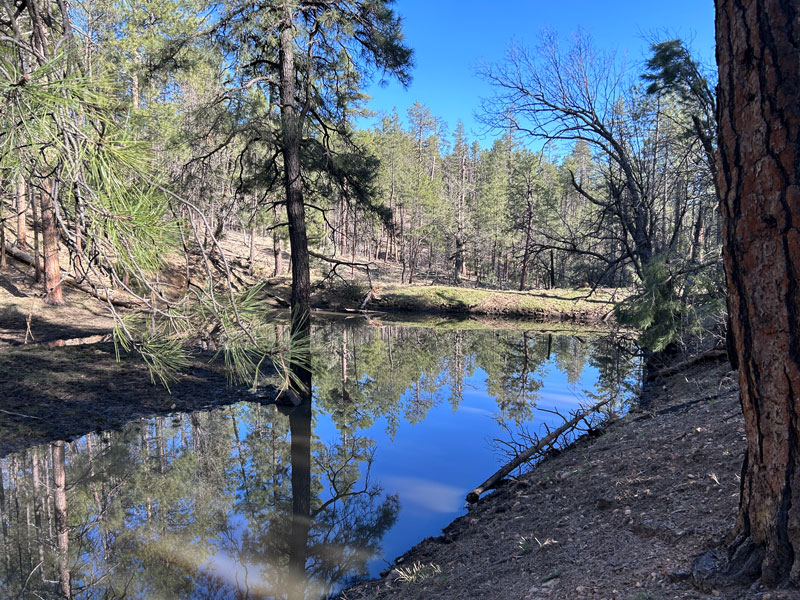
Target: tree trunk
{"points": [[52, 270], [21, 207], [251, 259], [36, 226], [458, 272], [135, 79], [295, 209], [77, 265], [526, 251], [3, 260], [277, 251], [759, 183]]}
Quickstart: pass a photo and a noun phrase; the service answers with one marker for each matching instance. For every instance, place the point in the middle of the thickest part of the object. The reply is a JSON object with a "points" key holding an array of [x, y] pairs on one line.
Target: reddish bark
{"points": [[21, 206], [759, 184], [52, 270]]}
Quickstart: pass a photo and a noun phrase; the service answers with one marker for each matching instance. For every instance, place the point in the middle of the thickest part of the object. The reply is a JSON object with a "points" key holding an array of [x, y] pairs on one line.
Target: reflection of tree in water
{"points": [[365, 373], [518, 374], [210, 506], [616, 359]]}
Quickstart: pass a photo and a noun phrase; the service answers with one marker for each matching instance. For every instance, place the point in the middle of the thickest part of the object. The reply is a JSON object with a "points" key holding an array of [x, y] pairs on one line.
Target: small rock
{"points": [[392, 576], [580, 589]]}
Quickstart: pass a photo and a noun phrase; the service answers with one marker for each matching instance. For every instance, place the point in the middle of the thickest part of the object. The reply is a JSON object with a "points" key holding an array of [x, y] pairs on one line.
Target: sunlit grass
{"points": [[479, 301], [417, 572]]}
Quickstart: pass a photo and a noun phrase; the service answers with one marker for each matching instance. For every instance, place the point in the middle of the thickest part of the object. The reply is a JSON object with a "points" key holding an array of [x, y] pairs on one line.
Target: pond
{"points": [[253, 501]]}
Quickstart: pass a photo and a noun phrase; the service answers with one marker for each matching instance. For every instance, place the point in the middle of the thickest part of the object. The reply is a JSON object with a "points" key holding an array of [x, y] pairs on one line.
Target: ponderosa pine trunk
{"points": [[759, 184], [52, 269], [21, 206], [293, 184]]}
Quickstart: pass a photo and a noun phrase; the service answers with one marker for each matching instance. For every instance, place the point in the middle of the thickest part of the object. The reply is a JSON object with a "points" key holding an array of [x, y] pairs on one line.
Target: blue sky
{"points": [[451, 38]]}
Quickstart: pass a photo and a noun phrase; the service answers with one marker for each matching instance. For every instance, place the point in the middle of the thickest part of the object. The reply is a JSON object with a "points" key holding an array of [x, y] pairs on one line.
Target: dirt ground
{"points": [[619, 516]]}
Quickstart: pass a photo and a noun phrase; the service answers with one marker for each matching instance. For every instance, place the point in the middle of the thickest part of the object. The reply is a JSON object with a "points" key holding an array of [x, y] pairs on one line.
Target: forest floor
{"points": [[618, 516]]}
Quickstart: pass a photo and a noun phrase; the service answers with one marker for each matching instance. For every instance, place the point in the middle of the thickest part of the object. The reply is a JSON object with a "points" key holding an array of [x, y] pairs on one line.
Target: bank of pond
{"points": [[252, 500]]}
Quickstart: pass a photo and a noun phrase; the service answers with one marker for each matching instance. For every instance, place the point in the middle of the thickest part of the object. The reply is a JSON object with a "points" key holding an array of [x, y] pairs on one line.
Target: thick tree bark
{"points": [[52, 270], [295, 209], [759, 184]]}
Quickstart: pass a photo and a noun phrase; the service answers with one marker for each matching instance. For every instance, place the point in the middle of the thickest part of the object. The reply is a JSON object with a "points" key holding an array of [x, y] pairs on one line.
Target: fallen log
{"points": [[70, 280], [543, 443], [713, 354]]}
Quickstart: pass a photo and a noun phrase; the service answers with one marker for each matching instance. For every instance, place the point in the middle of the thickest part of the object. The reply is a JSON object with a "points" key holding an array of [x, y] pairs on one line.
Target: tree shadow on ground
{"points": [[64, 393]]}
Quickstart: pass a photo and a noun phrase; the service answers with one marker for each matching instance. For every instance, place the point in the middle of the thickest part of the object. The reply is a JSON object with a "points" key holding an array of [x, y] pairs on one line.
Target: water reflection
{"points": [[251, 501]]}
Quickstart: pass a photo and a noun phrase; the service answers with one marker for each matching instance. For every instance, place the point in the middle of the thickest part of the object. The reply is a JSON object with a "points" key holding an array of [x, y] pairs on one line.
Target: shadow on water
{"points": [[256, 501]]}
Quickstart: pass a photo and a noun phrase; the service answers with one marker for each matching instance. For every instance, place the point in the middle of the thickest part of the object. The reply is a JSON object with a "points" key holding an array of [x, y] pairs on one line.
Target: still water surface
{"points": [[247, 501]]}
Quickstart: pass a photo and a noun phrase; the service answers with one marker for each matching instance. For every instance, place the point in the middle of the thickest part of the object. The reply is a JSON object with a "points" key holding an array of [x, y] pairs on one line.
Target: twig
{"points": [[28, 332], [16, 414]]}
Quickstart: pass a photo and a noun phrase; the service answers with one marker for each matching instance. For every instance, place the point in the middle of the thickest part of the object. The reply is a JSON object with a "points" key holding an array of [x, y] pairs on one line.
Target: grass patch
{"points": [[561, 304], [417, 572]]}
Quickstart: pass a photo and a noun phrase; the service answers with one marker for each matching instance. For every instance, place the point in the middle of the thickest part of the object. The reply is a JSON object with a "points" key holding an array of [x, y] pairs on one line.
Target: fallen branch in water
{"points": [[542, 444]]}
